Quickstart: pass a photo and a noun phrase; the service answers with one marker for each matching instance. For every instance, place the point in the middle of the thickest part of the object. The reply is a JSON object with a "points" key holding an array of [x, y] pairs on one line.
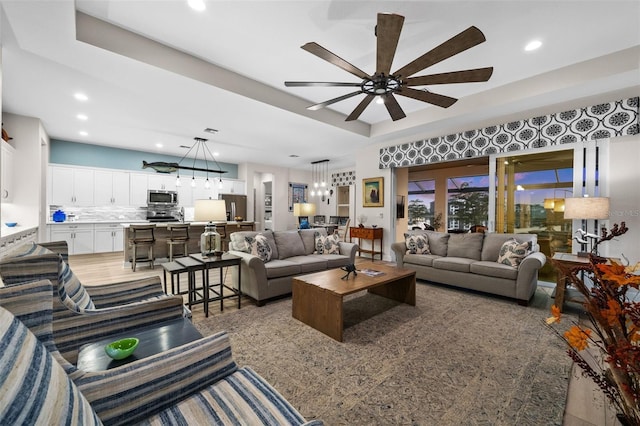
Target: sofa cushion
{"points": [[333, 260], [458, 264], [26, 249], [438, 242], [281, 268], [72, 292], [493, 242], [420, 259], [309, 263], [259, 246], [416, 244], [467, 245], [35, 388], [289, 244], [494, 269], [309, 238], [512, 252], [327, 244]]}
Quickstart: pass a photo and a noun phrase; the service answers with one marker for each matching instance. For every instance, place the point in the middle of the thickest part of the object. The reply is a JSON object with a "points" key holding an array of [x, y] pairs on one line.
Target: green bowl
{"points": [[120, 349]]}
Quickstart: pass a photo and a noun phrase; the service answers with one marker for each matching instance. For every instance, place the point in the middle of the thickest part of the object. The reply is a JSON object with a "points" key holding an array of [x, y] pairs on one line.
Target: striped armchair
{"points": [[197, 383], [81, 312]]}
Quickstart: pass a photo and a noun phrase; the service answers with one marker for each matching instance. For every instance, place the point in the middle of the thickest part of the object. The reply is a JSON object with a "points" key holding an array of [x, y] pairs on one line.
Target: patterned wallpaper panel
{"points": [[611, 119], [343, 178]]}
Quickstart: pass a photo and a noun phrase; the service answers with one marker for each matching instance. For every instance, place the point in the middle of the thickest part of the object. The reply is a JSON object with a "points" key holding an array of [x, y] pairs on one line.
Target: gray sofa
{"points": [[470, 261], [292, 253]]}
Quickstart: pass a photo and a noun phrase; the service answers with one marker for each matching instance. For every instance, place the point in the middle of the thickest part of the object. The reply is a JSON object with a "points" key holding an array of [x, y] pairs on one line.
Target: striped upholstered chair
{"points": [[80, 311], [197, 383]]}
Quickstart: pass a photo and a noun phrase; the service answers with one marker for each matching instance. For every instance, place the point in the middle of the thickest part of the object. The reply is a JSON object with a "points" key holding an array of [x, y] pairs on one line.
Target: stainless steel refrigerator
{"points": [[236, 205]]}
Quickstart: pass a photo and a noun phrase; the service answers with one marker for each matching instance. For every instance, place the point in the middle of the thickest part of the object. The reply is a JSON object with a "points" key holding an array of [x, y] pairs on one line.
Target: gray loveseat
{"points": [[470, 261], [292, 253]]}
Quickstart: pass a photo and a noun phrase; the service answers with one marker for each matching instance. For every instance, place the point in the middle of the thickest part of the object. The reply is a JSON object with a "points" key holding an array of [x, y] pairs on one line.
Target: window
{"points": [[467, 202], [421, 202]]}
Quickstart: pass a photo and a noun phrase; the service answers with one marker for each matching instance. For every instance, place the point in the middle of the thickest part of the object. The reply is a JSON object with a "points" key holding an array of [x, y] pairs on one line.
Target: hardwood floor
{"points": [[585, 404]]}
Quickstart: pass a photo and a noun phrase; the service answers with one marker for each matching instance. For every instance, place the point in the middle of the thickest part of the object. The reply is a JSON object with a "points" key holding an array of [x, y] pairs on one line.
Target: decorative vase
{"points": [[59, 216]]}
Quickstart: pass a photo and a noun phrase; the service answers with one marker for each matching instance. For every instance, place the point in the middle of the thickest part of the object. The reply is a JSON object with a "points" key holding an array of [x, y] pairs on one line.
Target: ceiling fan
{"points": [[385, 84]]}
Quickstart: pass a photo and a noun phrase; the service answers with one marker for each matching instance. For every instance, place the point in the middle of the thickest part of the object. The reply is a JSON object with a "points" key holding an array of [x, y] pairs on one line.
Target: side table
{"points": [[192, 266], [365, 233], [219, 262], [153, 340]]}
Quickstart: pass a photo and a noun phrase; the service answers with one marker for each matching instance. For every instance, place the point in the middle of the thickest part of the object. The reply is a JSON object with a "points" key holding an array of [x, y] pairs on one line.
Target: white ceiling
{"points": [[165, 93]]}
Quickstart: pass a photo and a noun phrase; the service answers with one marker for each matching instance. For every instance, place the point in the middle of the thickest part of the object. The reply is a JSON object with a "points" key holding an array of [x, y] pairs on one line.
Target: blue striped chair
{"points": [[197, 383], [80, 312]]}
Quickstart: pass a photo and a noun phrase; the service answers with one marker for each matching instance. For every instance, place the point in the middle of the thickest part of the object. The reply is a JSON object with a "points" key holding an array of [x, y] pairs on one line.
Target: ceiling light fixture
{"points": [[319, 175], [83, 133], [82, 117], [533, 45], [197, 5], [81, 97], [199, 145]]}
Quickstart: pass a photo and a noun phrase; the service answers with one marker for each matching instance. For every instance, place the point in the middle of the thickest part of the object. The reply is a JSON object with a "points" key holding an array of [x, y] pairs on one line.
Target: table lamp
{"points": [[210, 211], [304, 209], [584, 208]]}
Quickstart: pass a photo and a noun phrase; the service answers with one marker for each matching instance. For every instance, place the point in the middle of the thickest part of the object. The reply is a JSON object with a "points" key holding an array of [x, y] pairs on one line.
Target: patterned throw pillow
{"points": [[512, 252], [417, 244], [327, 244], [259, 246], [73, 293]]}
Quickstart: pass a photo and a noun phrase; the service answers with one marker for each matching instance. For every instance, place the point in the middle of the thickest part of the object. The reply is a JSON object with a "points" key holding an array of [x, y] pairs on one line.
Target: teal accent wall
{"points": [[87, 155]]}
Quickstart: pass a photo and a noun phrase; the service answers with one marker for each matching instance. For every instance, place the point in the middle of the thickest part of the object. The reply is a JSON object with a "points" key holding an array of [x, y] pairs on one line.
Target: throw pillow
{"points": [[327, 244], [417, 244], [259, 246], [72, 292], [512, 252]]}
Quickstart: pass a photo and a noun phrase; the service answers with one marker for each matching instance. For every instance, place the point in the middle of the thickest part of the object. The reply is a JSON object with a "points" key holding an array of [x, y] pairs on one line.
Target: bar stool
{"points": [[178, 235], [142, 236]]}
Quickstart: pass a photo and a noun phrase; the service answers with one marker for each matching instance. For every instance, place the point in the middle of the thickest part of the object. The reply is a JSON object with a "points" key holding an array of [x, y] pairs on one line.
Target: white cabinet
{"points": [[111, 188], [7, 172], [138, 186], [231, 186], [164, 182], [79, 238], [108, 238], [71, 186]]}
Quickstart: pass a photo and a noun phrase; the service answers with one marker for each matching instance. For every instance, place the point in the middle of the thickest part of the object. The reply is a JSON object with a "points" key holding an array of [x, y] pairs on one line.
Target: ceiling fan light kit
{"points": [[384, 84]]}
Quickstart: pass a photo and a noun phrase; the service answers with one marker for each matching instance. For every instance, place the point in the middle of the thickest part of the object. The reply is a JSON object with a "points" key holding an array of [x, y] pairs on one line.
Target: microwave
{"points": [[162, 198]]}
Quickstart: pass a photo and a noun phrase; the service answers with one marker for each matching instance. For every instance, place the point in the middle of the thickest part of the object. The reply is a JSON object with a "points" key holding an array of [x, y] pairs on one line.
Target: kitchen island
{"points": [[161, 248]]}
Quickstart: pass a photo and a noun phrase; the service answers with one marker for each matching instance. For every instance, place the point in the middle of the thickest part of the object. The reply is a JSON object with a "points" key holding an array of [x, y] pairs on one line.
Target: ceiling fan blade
{"points": [[468, 38], [467, 76], [393, 107], [333, 101], [319, 84], [429, 97], [360, 108], [336, 60], [388, 34]]}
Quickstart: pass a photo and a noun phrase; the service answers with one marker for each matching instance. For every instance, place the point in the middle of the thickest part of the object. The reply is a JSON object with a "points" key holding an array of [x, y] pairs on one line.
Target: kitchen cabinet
{"points": [[232, 186], [111, 188], [71, 186], [138, 186], [79, 237], [7, 172], [108, 238], [165, 182]]}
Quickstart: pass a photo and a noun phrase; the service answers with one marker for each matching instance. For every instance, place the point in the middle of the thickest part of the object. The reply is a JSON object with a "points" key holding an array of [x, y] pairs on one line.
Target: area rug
{"points": [[456, 358]]}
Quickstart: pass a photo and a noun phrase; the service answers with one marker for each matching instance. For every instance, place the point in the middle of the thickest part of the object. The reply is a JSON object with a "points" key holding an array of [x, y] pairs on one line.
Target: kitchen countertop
{"points": [[164, 224], [8, 232]]}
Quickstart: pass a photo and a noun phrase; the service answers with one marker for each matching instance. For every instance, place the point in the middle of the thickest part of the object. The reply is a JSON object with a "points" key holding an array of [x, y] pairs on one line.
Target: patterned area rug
{"points": [[456, 358]]}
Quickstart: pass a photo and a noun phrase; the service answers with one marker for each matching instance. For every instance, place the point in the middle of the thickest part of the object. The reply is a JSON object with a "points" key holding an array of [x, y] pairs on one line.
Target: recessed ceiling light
{"points": [[159, 145], [82, 117], [81, 97], [533, 45], [379, 100], [197, 5], [215, 154], [83, 133]]}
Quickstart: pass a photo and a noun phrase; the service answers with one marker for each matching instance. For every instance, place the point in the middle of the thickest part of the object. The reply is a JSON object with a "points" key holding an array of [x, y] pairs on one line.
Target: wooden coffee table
{"points": [[318, 298]]}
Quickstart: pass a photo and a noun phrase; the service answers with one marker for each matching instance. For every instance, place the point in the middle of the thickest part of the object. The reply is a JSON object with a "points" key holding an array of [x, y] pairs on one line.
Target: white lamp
{"points": [[304, 209], [583, 208], [210, 211]]}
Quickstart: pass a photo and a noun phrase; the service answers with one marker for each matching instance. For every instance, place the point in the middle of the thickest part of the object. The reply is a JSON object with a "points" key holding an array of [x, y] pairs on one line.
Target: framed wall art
{"points": [[373, 192], [297, 194]]}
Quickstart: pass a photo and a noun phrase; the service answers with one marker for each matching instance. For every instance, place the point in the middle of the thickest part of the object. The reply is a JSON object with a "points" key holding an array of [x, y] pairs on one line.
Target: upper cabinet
{"points": [[7, 172], [164, 182], [111, 188], [232, 186], [71, 186]]}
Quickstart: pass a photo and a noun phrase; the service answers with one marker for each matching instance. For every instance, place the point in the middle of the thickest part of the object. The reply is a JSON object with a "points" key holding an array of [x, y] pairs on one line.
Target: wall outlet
{"points": [[381, 215]]}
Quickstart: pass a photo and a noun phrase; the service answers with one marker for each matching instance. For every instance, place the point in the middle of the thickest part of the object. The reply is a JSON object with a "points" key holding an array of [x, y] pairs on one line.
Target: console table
{"points": [[371, 234]]}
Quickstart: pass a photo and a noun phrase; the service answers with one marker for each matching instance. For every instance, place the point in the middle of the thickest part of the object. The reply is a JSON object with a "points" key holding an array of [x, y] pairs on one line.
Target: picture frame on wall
{"points": [[373, 192], [297, 194]]}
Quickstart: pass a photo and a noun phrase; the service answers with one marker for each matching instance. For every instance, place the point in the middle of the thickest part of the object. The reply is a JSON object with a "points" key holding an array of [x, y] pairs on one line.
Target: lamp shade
{"points": [[304, 209], [210, 211], [586, 208]]}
